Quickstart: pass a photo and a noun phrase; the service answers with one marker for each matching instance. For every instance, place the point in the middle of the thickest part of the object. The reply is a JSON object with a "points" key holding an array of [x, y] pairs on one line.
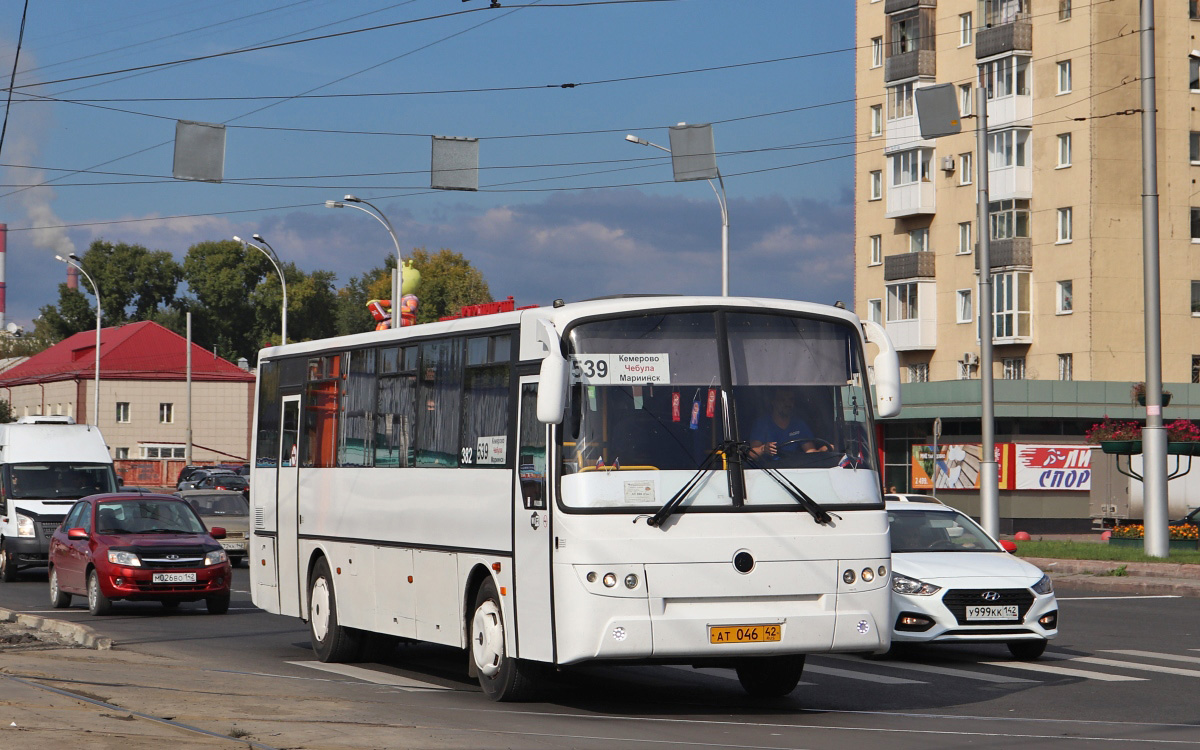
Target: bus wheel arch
{"points": [[502, 677], [331, 641]]}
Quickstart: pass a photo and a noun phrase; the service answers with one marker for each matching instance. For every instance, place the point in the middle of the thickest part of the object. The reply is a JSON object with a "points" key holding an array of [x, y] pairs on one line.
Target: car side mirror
{"points": [[217, 532], [77, 534], [1008, 546]]}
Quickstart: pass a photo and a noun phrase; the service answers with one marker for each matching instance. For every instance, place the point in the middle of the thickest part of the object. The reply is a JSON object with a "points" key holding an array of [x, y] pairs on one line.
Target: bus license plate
{"points": [[174, 578], [1002, 612], [743, 633]]}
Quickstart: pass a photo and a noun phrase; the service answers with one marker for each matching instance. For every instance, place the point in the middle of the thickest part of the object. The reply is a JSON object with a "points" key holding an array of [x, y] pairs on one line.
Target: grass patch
{"points": [[1064, 550]]}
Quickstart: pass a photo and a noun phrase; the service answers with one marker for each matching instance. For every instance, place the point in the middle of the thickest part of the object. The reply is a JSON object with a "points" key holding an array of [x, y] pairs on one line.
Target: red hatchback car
{"points": [[137, 547]]}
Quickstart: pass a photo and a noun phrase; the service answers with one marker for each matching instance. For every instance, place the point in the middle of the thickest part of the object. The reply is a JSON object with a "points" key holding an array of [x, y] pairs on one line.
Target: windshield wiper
{"points": [[165, 531], [820, 514], [706, 466]]}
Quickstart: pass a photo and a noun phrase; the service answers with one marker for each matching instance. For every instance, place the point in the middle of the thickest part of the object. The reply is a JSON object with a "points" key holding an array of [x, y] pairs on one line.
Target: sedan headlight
{"points": [[122, 557], [25, 526], [216, 557], [1043, 586], [902, 584]]}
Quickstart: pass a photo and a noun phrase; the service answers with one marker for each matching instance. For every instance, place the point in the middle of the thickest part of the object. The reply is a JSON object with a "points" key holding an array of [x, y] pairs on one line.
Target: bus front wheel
{"points": [[502, 677], [770, 676], [331, 641]]}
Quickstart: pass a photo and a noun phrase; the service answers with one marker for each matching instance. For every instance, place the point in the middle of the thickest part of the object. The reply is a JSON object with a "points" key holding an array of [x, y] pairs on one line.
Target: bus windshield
{"points": [[58, 481], [658, 393]]}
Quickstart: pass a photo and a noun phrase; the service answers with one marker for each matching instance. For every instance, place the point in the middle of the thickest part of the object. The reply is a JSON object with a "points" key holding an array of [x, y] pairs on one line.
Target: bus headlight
{"points": [[25, 526], [631, 581], [216, 557], [610, 580], [867, 575]]}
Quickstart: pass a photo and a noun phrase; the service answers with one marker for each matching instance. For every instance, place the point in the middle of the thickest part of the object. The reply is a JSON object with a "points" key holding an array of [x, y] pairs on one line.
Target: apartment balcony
{"points": [[1007, 183], [1012, 253], [1010, 111], [913, 328], [895, 6], [1013, 36], [904, 133], [915, 199], [919, 62], [909, 266]]}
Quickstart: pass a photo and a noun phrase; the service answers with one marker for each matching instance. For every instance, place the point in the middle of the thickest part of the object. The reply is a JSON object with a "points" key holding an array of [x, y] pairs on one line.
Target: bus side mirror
{"points": [[887, 370], [552, 381]]}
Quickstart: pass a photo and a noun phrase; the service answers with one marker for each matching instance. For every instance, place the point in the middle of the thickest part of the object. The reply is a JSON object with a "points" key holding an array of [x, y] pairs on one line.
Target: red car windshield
{"points": [[147, 517]]}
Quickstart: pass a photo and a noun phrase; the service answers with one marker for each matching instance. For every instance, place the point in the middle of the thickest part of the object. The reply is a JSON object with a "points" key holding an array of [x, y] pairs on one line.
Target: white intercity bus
{"points": [[587, 482]]}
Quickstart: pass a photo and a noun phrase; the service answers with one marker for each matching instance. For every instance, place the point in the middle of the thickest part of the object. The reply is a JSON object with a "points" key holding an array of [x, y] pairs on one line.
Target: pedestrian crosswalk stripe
{"points": [[948, 671], [1155, 655], [852, 675], [1064, 671], [1134, 665], [371, 675]]}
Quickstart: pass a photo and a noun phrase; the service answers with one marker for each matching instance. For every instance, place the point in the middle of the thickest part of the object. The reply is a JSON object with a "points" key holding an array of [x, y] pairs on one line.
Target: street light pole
{"points": [[722, 201], [74, 261], [350, 201], [271, 256]]}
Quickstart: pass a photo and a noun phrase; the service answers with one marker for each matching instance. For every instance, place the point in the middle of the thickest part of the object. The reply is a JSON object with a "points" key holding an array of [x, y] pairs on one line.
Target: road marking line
{"points": [[370, 675], [948, 671], [852, 675], [1064, 671], [1110, 598], [1156, 655]]}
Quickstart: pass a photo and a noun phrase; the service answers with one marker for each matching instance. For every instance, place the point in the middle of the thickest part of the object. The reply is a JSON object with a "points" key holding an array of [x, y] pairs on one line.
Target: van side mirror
{"points": [[887, 370], [552, 380]]}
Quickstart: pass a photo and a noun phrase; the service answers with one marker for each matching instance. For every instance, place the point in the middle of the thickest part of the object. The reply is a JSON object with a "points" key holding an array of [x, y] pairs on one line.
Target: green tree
{"points": [[223, 277], [448, 282], [312, 305], [351, 315], [6, 412], [134, 282], [71, 315]]}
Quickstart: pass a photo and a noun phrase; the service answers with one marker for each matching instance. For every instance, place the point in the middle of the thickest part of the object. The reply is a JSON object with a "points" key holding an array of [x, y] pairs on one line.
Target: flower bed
{"points": [[1182, 537]]}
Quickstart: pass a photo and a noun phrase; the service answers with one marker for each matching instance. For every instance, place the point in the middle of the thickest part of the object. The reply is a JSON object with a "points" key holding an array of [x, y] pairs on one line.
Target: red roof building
{"points": [[143, 392]]}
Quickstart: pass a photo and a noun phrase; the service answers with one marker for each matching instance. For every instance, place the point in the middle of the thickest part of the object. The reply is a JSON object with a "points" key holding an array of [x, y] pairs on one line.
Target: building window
{"points": [[876, 120], [121, 453], [966, 99], [902, 302], [1014, 368], [966, 169], [964, 370], [122, 411], [1008, 148], [1195, 224], [1066, 368], [877, 185], [875, 310], [1196, 299], [918, 372], [1010, 219], [150, 450], [1064, 150], [1064, 225], [905, 36], [1193, 13], [1064, 304], [918, 240], [1194, 145], [964, 29], [1011, 305], [966, 312], [1195, 362], [909, 167], [1064, 77], [1195, 73], [1064, 14], [964, 238], [876, 249], [1006, 76], [166, 413], [900, 101], [876, 51]]}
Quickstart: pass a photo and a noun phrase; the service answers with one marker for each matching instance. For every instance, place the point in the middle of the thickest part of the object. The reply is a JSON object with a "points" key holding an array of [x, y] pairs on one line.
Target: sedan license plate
{"points": [[744, 633], [234, 545], [174, 577], [992, 613]]}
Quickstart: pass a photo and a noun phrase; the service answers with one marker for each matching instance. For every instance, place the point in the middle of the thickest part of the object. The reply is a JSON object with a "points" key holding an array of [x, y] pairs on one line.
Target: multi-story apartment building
{"points": [[1064, 171]]}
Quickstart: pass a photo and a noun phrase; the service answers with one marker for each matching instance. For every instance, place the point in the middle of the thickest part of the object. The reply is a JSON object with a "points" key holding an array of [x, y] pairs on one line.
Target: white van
{"points": [[46, 464]]}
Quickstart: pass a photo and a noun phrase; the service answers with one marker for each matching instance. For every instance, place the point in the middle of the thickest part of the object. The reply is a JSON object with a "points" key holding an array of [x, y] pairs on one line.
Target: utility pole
{"points": [[989, 470]]}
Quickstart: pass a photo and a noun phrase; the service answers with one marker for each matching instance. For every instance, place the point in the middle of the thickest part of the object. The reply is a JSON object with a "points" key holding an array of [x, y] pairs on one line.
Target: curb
{"points": [[79, 634], [1132, 569]]}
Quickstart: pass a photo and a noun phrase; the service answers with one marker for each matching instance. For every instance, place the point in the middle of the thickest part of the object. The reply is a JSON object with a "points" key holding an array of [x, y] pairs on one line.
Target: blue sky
{"points": [[567, 208]]}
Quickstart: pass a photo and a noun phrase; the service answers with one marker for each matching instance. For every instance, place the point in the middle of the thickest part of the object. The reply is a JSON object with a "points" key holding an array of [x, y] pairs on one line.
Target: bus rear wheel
{"points": [[502, 677], [770, 676], [331, 641]]}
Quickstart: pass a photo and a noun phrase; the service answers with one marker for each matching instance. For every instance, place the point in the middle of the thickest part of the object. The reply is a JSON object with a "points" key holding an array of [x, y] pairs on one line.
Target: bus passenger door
{"points": [[287, 509], [532, 536]]}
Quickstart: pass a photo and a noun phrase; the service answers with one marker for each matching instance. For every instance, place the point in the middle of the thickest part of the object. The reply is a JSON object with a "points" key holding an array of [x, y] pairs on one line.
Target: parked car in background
{"points": [[138, 547], [194, 478], [231, 482], [228, 510], [1192, 518], [953, 583]]}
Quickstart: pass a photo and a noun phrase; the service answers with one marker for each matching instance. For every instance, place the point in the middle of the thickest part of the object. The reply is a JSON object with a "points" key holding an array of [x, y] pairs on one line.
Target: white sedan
{"points": [[953, 583]]}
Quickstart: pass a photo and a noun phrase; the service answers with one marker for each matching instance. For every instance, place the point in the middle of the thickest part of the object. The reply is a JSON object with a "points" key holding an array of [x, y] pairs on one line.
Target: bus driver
{"points": [[783, 430]]}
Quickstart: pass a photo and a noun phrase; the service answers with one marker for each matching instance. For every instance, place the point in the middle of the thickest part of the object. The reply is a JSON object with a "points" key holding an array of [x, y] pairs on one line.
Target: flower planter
{"points": [[1173, 545], [1184, 449], [1166, 399], [1123, 447]]}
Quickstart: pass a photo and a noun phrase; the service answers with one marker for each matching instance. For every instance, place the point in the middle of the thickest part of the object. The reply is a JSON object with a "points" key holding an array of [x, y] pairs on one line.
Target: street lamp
{"points": [[273, 257], [74, 261], [351, 201], [721, 200]]}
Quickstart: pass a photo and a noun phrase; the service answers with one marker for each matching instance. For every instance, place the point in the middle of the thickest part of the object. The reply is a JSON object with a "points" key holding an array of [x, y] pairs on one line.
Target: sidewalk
{"points": [[1118, 577]]}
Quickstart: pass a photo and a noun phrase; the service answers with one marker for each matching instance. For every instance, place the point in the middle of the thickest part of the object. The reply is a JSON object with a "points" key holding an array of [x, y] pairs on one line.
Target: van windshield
{"points": [[58, 481]]}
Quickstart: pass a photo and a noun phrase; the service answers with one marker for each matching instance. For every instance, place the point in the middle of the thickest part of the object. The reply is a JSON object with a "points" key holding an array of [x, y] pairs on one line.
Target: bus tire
{"points": [[331, 641], [770, 676], [502, 677], [8, 564]]}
